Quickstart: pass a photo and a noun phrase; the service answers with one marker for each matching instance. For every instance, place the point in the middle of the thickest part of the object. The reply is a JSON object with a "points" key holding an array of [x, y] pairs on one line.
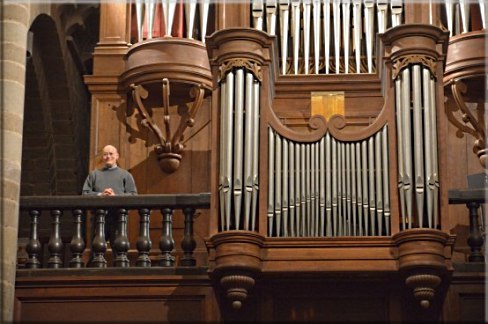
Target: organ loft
{"points": [[295, 160]]}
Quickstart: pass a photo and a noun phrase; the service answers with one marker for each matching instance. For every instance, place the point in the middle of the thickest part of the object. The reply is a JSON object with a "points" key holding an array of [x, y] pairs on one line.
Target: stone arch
{"points": [[57, 108], [56, 114]]}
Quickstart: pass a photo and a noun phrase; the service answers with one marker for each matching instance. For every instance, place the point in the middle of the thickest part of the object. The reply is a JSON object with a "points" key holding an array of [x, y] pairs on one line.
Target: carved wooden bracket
{"points": [[237, 263], [468, 122], [422, 261], [170, 147], [465, 81]]}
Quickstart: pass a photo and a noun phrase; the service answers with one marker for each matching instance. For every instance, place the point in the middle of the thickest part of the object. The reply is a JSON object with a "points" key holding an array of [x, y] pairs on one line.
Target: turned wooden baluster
{"points": [[99, 245], [188, 243], [77, 244], [33, 247], [55, 245], [143, 243], [475, 239], [166, 243], [121, 244]]}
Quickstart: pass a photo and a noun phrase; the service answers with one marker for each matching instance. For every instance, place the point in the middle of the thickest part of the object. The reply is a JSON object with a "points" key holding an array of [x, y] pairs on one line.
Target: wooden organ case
{"points": [[314, 215]]}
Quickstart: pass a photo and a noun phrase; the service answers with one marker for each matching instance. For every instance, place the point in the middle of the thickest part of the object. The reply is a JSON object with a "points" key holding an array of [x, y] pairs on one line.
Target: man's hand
{"points": [[108, 192]]}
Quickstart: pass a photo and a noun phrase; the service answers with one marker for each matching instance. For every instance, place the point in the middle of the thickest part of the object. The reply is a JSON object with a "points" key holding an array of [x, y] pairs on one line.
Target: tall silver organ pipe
{"points": [[150, 12], [190, 11], [238, 143], [306, 34], [297, 19], [257, 14], [146, 16], [284, 23], [271, 16], [140, 15], [204, 7], [239, 152], [328, 187], [169, 7], [418, 163]]}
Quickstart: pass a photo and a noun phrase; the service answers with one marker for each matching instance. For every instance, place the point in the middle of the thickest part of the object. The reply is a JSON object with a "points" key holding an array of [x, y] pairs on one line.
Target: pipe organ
{"points": [[298, 199], [328, 187], [239, 148], [418, 181], [339, 34]]}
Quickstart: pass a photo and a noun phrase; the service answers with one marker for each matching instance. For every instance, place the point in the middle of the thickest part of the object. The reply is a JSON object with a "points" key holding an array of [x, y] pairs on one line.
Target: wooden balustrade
{"points": [[80, 206], [473, 198]]}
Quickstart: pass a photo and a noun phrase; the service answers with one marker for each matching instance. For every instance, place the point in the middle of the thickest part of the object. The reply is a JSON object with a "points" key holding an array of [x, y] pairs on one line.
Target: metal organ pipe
{"points": [[169, 7], [435, 163], [306, 34], [284, 21], [140, 10], [407, 145], [326, 6], [336, 11], [295, 23], [424, 153], [150, 11], [248, 149], [306, 18], [204, 6], [418, 142], [271, 176], [190, 11], [346, 32], [228, 134], [322, 188], [316, 35], [239, 151], [369, 29], [255, 153], [357, 32], [271, 16]]}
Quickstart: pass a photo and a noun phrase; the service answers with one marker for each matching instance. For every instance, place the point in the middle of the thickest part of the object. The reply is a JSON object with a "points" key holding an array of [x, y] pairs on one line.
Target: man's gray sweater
{"points": [[120, 180]]}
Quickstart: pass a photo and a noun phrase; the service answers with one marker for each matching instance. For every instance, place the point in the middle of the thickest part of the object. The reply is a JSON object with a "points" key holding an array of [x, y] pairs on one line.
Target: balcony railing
{"points": [[79, 207]]}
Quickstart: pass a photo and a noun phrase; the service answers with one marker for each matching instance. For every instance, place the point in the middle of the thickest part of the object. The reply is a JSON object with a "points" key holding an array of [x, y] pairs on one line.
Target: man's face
{"points": [[110, 155]]}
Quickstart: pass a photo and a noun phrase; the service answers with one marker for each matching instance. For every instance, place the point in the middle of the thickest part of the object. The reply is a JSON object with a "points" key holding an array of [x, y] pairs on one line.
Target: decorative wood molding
{"points": [[423, 261], [248, 64], [170, 147], [465, 81], [404, 61], [237, 263]]}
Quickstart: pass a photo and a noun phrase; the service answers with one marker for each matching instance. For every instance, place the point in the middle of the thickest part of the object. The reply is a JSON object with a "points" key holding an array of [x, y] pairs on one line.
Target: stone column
{"points": [[14, 24]]}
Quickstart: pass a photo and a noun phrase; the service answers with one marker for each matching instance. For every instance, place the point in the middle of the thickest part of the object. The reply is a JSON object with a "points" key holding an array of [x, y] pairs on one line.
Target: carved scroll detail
{"points": [[404, 61], [170, 145], [469, 123], [248, 64]]}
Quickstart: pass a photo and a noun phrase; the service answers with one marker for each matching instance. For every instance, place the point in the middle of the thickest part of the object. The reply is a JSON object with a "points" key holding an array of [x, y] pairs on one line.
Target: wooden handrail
{"points": [[176, 201]]}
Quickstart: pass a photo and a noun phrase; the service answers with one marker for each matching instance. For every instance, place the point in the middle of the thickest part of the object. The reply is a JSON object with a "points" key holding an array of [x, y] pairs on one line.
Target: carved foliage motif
{"points": [[248, 64], [402, 62]]}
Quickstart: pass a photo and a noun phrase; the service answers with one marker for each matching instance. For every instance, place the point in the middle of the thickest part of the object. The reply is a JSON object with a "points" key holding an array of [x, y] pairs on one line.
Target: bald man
{"points": [[109, 181]]}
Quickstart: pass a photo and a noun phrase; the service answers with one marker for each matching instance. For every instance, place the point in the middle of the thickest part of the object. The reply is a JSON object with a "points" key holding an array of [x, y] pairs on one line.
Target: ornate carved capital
{"points": [[404, 61], [248, 64]]}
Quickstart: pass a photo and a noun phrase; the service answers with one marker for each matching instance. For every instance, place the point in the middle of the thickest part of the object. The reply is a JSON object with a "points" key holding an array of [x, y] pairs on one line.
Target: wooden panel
{"points": [[340, 300], [161, 309], [466, 297], [111, 295]]}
